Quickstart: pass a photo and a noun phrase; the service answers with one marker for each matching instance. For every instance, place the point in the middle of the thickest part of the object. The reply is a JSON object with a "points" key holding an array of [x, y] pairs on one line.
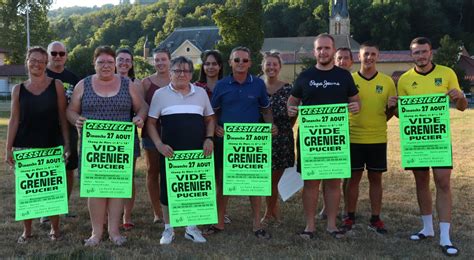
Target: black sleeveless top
{"points": [[39, 125]]}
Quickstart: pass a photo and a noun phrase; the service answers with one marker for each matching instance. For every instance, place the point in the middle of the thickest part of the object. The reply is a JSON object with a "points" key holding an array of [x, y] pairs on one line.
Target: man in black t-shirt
{"points": [[57, 56], [322, 84]]}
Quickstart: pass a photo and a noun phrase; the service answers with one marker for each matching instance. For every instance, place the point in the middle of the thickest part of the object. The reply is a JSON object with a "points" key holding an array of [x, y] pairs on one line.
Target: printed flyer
{"points": [[107, 159], [40, 181], [425, 133], [324, 142], [191, 188], [247, 159]]}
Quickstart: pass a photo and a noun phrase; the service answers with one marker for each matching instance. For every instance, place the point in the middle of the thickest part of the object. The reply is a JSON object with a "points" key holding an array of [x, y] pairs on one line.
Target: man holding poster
{"points": [[239, 98], [319, 85], [429, 78], [187, 123]]}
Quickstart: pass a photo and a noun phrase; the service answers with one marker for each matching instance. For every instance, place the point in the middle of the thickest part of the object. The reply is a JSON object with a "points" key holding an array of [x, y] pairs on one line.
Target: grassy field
{"points": [[400, 213]]}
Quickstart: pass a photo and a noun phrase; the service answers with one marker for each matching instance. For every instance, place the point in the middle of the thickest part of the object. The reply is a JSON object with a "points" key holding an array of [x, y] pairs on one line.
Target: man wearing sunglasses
{"points": [[57, 56], [238, 98]]}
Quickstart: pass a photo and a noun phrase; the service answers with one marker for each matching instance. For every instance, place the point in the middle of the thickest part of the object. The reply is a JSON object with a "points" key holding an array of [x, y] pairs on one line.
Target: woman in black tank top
{"points": [[37, 119]]}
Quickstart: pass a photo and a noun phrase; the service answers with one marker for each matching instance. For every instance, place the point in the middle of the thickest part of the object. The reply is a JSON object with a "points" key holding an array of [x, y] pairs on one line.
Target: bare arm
{"points": [[354, 104], [208, 145], [459, 98], [13, 124], [292, 108], [268, 118], [62, 105], [73, 112], [391, 109], [140, 107], [219, 130], [164, 149]]}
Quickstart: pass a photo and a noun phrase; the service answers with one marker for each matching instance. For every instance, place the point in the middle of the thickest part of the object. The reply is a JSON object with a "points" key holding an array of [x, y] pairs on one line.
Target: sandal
{"points": [[118, 241], [337, 234], [212, 230], [262, 234], [227, 219], [419, 236], [54, 236], [24, 239], [92, 242], [445, 249], [128, 226], [157, 221], [306, 235]]}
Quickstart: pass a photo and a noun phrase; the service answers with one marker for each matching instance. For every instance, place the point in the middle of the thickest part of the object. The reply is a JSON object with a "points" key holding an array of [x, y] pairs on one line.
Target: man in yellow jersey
{"points": [[368, 131], [429, 78]]}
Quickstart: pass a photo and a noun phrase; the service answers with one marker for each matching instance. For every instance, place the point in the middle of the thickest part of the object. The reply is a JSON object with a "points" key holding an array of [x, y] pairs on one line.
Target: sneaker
{"points": [[167, 236], [227, 219], [347, 224], [378, 227], [194, 234]]}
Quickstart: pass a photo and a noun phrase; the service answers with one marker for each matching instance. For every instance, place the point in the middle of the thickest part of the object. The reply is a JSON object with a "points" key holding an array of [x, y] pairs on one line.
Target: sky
{"points": [[68, 3]]}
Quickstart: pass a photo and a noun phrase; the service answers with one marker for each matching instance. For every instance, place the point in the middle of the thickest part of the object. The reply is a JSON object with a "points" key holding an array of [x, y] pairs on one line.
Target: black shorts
{"points": [[372, 157], [73, 160]]}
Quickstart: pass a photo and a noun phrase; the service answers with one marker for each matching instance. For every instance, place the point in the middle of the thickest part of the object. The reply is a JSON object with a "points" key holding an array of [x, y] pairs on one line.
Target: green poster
{"points": [[324, 142], [191, 188], [247, 159], [107, 159], [425, 133], [40, 181]]}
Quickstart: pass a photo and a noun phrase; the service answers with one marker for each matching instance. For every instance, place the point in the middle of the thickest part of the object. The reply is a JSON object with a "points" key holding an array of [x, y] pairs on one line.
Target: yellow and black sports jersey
{"points": [[439, 80], [369, 126]]}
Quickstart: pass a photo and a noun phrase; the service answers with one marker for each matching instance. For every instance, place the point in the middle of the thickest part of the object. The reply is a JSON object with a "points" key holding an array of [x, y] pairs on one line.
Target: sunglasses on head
{"points": [[237, 60], [55, 53]]}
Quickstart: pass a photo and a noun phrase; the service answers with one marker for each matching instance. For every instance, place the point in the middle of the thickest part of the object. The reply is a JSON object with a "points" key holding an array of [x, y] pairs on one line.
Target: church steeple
{"points": [[339, 22]]}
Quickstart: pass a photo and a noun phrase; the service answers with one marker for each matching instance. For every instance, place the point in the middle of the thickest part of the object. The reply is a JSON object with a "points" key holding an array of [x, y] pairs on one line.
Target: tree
{"points": [[142, 68], [240, 24], [448, 54], [13, 27], [80, 61]]}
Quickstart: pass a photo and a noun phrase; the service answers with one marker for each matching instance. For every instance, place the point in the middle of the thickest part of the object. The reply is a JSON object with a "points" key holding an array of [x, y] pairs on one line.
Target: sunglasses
{"points": [[237, 60], [55, 53]]}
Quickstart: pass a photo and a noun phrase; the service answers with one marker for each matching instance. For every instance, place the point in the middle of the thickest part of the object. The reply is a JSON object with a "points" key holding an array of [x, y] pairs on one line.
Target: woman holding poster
{"points": [[282, 144], [124, 67], [38, 109], [106, 96]]}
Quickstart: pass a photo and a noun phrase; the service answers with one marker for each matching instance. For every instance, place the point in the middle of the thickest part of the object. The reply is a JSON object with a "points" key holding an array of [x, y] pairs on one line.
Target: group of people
{"points": [[176, 114]]}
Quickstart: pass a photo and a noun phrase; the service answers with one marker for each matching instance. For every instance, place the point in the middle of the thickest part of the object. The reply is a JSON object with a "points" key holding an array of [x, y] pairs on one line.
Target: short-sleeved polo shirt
{"points": [[239, 103], [181, 116]]}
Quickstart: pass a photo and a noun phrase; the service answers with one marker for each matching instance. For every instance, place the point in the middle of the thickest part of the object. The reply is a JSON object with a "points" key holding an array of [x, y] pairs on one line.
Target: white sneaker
{"points": [[194, 234], [167, 236]]}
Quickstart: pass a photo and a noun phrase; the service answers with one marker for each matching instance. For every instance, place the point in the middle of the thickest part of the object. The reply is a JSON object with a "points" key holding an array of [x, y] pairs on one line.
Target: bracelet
{"points": [[210, 138]]}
